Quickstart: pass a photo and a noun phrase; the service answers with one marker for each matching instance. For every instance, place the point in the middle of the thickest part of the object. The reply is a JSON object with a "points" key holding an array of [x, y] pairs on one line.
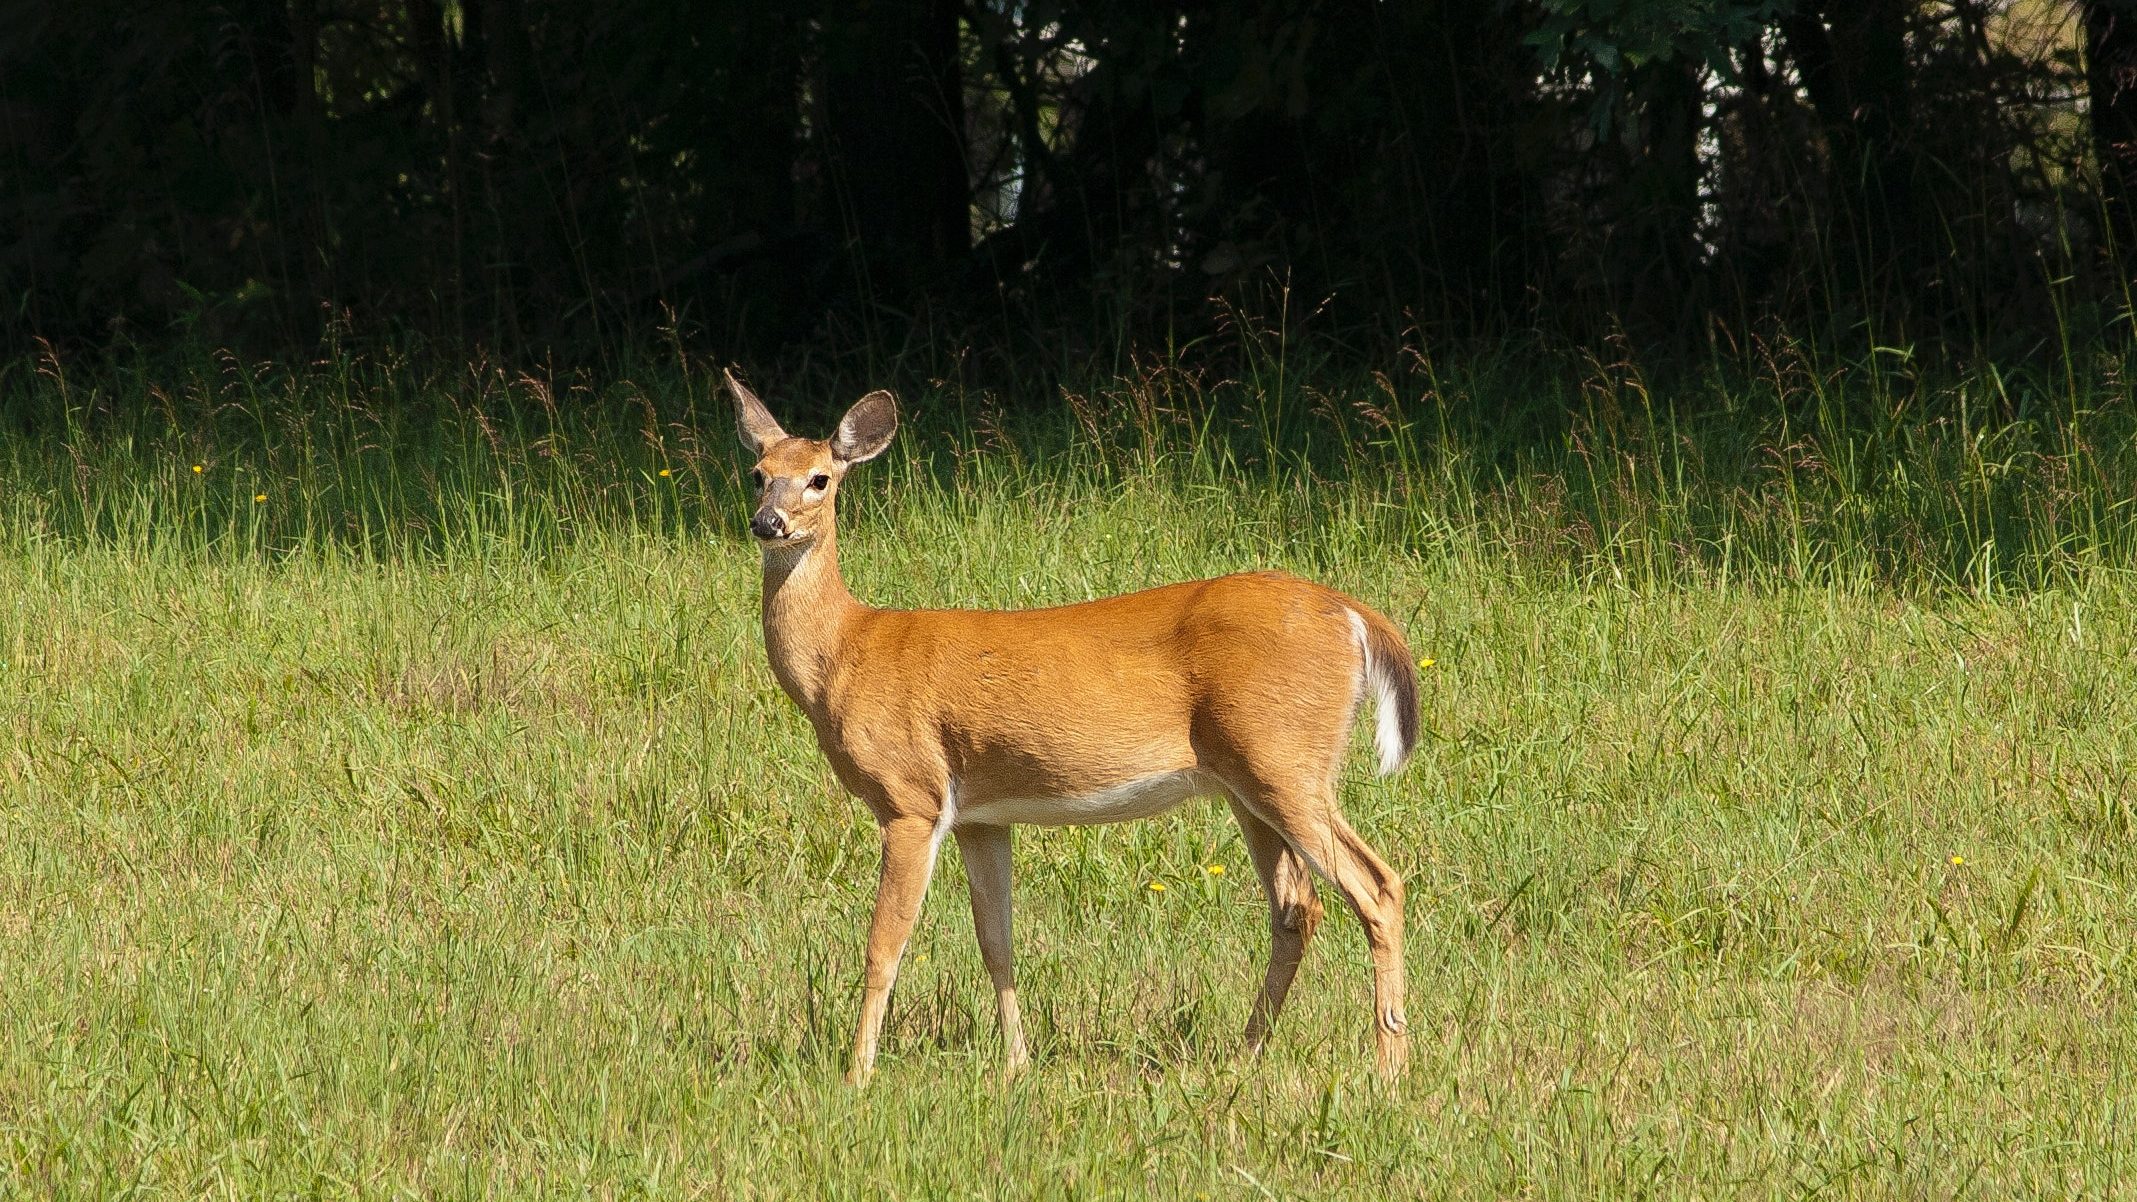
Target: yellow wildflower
{"points": [[1214, 869], [1958, 861], [1426, 662], [259, 498], [199, 468], [664, 471], [1156, 886]]}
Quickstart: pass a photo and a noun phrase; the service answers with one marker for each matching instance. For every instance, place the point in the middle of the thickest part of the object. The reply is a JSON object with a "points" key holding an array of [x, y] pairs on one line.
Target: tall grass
{"points": [[1776, 467], [433, 827]]}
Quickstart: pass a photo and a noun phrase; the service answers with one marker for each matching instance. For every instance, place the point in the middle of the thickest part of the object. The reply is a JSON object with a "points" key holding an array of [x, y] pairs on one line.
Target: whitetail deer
{"points": [[963, 722]]}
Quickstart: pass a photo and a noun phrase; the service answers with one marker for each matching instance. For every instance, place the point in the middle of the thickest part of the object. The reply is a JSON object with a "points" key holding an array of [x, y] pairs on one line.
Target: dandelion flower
{"points": [[1214, 869], [1958, 861], [1156, 886], [664, 471], [198, 468], [1426, 662], [259, 498]]}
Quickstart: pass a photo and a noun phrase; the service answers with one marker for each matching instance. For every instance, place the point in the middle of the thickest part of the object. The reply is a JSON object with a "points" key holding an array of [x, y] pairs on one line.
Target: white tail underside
{"points": [[1387, 726]]}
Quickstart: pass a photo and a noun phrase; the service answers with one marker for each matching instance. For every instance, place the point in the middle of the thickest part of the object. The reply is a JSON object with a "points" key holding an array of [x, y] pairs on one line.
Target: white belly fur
{"points": [[1132, 799]]}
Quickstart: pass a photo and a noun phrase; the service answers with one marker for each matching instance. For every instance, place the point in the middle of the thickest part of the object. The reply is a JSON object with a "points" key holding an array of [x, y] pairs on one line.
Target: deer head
{"points": [[797, 478]]}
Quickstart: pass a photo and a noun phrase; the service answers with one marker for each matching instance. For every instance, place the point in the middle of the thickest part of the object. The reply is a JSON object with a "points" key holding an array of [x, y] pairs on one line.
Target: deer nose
{"points": [[768, 524]]}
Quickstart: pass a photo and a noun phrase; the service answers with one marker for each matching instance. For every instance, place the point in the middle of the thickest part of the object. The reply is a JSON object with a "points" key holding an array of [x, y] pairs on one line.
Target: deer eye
{"points": [[756, 477], [820, 483]]}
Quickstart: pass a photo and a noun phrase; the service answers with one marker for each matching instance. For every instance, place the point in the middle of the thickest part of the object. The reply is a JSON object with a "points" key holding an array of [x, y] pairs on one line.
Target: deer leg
{"points": [[1294, 912], [1316, 830], [909, 847], [1376, 893], [987, 870]]}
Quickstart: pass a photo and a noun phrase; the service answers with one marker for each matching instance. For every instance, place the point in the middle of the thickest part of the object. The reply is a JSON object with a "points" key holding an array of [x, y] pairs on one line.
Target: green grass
{"points": [[434, 827]]}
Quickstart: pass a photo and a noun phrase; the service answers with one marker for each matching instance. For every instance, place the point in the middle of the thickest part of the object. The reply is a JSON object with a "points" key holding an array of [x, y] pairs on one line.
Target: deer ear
{"points": [[866, 428], [752, 420]]}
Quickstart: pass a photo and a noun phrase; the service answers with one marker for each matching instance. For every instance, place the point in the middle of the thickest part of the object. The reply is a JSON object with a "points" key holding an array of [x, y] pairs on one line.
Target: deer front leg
{"points": [[909, 846], [986, 853]]}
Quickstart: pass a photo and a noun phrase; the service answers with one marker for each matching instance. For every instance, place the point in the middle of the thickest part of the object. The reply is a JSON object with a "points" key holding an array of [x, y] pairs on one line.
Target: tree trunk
{"points": [[1470, 96], [1853, 58], [426, 28], [893, 121], [1660, 266], [760, 150], [2111, 80]]}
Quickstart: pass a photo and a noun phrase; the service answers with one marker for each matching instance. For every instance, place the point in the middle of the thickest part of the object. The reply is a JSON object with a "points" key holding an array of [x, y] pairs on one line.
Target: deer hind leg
{"points": [[1294, 912], [987, 870], [1316, 830], [909, 847]]}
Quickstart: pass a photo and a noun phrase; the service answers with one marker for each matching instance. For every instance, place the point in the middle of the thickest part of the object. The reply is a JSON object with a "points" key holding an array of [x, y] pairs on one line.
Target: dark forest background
{"points": [[529, 175]]}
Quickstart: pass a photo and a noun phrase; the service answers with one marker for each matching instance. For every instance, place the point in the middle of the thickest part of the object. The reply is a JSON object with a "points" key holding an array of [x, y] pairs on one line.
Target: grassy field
{"points": [[395, 802]]}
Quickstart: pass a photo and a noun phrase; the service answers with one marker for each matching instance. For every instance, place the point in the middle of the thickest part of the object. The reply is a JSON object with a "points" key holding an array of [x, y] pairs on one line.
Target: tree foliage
{"points": [[527, 172]]}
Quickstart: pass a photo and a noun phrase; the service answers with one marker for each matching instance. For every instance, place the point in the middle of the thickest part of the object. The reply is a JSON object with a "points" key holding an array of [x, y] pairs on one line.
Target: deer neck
{"points": [[806, 612]]}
